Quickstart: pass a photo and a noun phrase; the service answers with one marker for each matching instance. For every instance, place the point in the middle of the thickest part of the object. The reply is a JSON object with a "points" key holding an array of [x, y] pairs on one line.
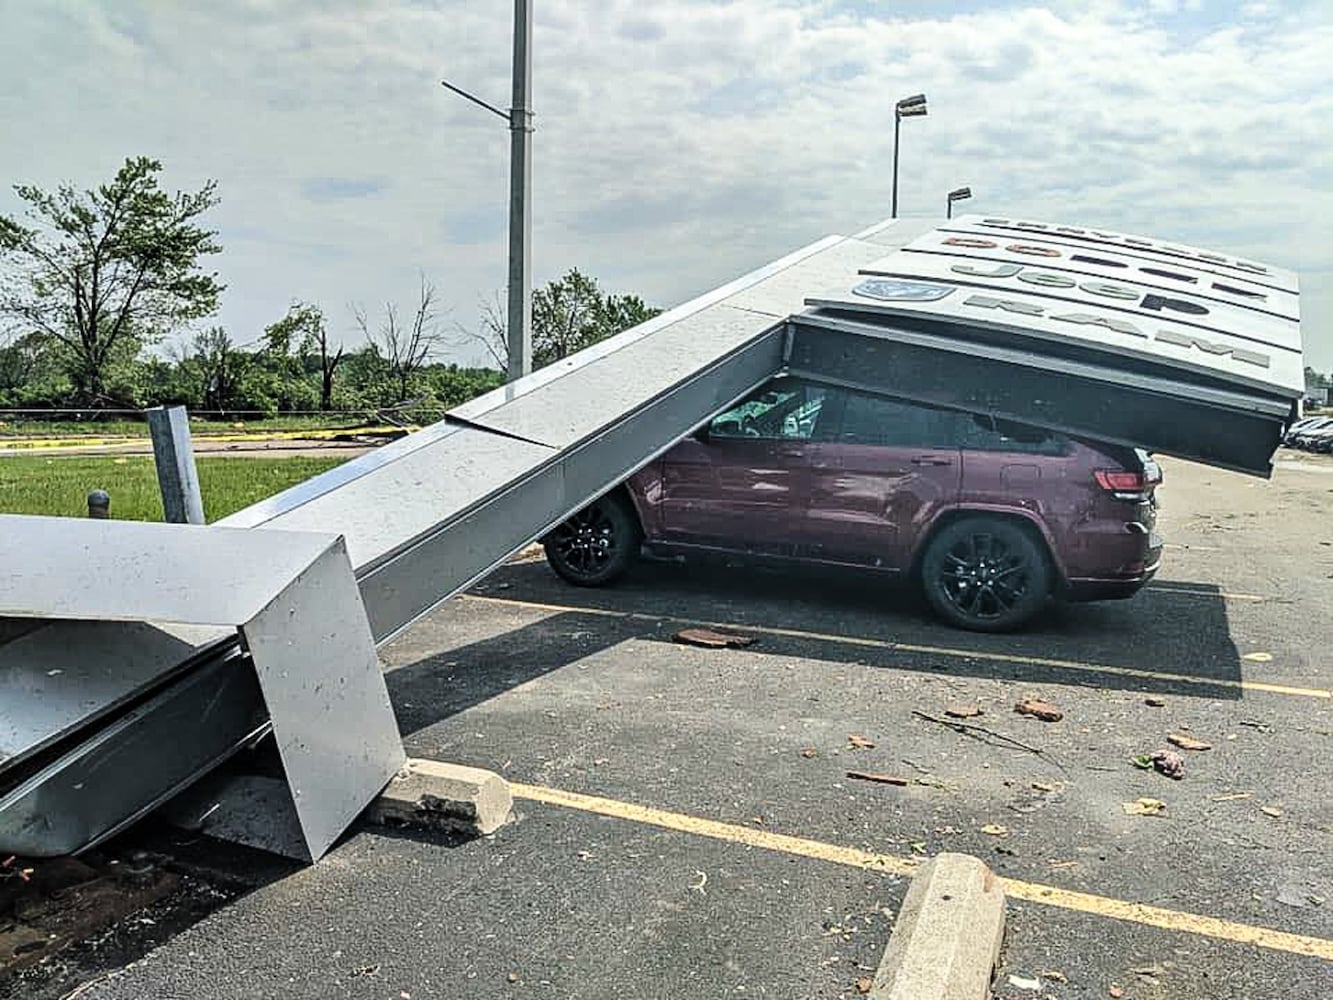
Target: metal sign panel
{"points": [[1119, 299], [1008, 228], [1159, 275]]}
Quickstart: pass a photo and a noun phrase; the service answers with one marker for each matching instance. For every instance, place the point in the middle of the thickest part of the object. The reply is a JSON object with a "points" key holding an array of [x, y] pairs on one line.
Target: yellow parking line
{"points": [[906, 647], [1033, 892], [29, 445]]}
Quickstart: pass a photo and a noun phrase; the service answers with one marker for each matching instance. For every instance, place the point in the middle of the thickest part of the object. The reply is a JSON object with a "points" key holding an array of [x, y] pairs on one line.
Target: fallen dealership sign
{"points": [[1094, 333]]}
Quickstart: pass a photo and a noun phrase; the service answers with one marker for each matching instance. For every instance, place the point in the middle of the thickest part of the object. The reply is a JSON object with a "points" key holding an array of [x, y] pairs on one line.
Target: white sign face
{"points": [[1083, 236], [1173, 305]]}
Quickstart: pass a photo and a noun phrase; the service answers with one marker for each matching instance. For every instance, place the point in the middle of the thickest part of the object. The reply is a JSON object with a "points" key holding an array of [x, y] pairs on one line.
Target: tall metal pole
{"points": [[520, 190], [897, 123], [948, 208]]}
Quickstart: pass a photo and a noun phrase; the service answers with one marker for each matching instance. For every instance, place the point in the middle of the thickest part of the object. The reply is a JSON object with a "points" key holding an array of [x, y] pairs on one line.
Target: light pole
{"points": [[519, 117], [908, 107], [957, 194]]}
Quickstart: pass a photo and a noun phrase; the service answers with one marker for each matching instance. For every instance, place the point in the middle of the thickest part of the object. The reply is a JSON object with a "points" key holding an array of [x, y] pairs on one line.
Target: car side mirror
{"points": [[703, 434]]}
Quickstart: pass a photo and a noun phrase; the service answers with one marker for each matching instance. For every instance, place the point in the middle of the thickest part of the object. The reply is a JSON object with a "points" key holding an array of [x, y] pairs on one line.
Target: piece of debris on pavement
{"points": [[963, 711], [808, 752], [1262, 727], [864, 984], [1274, 811], [1116, 992], [883, 779], [1169, 763], [711, 638], [1054, 975], [858, 742], [1154, 702], [1039, 709], [1258, 657], [1188, 742], [995, 830], [1143, 807], [1024, 983]]}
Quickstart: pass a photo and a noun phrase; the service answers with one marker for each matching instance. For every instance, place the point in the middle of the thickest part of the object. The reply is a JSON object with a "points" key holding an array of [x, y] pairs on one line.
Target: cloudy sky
{"points": [[679, 143]]}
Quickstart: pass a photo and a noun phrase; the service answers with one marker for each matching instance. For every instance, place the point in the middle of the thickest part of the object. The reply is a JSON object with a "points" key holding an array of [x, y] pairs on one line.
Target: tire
{"points": [[985, 574], [598, 544]]}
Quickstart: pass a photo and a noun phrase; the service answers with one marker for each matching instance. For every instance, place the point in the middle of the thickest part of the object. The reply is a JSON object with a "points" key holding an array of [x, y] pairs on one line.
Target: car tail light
{"points": [[1127, 485]]}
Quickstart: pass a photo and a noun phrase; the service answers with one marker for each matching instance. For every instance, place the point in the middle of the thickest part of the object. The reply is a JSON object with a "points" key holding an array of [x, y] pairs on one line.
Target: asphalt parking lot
{"points": [[685, 826]]}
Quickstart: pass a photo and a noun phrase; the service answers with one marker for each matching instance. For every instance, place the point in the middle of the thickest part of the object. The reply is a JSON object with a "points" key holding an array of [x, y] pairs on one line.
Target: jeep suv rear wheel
{"points": [[986, 574]]}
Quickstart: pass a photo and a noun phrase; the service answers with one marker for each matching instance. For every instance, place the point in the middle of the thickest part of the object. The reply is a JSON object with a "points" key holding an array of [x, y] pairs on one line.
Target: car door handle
{"points": [[931, 460]]}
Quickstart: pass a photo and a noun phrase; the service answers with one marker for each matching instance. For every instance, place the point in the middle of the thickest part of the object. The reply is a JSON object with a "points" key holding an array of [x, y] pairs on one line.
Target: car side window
{"points": [[983, 433], [876, 420], [786, 410]]}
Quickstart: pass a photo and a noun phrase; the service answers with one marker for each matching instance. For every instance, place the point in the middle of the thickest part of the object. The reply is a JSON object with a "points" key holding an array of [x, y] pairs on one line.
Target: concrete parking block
{"points": [[946, 940], [428, 793]]}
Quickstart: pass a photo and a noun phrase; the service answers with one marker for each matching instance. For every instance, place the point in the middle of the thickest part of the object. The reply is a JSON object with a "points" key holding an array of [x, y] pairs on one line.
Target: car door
{"points": [[892, 465], [743, 483]]}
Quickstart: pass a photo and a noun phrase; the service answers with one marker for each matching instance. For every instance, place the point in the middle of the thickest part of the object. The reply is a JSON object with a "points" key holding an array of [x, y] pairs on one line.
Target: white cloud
{"points": [[678, 143]]}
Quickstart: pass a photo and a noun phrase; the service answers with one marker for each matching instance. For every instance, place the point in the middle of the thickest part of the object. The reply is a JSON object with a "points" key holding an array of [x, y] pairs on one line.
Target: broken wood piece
{"points": [[883, 779], [711, 638]]}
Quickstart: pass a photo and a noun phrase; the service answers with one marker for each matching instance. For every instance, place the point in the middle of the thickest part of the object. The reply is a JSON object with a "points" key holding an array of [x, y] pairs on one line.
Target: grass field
{"points": [[35, 485]]}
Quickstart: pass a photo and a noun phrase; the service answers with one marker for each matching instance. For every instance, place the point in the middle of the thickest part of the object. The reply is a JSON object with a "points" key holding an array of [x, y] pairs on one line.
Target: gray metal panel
{"points": [[55, 680], [391, 507], [321, 680], [464, 548], [587, 399], [127, 768], [63, 567], [784, 292], [1102, 401]]}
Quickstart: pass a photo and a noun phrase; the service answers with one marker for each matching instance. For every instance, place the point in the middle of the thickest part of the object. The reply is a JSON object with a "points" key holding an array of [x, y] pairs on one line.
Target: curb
{"points": [[452, 797], [946, 941]]}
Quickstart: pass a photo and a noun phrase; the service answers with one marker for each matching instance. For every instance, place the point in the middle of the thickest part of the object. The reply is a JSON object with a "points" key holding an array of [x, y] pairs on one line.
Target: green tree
{"points": [[104, 271], [568, 314]]}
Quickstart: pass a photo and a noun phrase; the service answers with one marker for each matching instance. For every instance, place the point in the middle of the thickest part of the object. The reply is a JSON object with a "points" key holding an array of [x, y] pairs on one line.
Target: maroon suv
{"points": [[991, 518]]}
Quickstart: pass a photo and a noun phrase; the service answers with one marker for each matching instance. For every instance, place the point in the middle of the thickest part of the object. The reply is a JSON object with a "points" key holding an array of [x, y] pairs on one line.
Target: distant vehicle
{"points": [[1320, 439], [989, 518], [1305, 431]]}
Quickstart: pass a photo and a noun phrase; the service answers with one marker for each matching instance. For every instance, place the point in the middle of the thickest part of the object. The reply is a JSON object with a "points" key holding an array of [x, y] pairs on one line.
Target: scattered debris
{"points": [[864, 984], [1188, 742], [1274, 811], [968, 729], [585, 855], [1143, 807], [1298, 895], [858, 742], [711, 638], [1116, 992], [703, 881], [1262, 727], [1169, 763], [1258, 657], [1149, 971], [1042, 786], [512, 977], [1152, 701], [1024, 983], [963, 711], [808, 752], [918, 846], [1230, 796], [995, 830], [883, 779], [1054, 975], [1039, 709], [929, 781]]}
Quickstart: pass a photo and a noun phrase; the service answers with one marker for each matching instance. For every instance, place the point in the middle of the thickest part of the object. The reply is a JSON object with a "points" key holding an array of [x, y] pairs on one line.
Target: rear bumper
{"points": [[1116, 588]]}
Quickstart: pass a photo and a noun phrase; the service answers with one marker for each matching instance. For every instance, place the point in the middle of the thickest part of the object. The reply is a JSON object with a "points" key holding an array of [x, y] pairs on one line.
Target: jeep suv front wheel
{"points": [[596, 545]]}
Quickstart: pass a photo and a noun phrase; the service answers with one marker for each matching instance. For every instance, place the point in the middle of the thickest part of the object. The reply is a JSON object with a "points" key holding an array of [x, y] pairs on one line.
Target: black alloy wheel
{"points": [[985, 574]]}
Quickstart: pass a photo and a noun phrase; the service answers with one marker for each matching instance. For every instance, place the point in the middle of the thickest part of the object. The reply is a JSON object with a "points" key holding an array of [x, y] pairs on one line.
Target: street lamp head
{"points": [[910, 107], [960, 194]]}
